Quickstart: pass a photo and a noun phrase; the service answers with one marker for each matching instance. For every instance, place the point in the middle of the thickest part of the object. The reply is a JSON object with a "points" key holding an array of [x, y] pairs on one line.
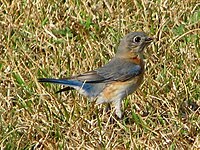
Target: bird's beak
{"points": [[148, 39]]}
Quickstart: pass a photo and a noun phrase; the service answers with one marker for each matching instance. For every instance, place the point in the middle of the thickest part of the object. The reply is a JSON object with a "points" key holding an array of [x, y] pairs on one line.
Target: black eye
{"points": [[136, 39]]}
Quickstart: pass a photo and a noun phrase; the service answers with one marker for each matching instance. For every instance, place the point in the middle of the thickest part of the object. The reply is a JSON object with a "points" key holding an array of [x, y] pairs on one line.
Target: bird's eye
{"points": [[136, 39]]}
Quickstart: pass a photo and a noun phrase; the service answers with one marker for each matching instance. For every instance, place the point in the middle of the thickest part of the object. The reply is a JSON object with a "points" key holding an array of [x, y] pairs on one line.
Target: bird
{"points": [[117, 79]]}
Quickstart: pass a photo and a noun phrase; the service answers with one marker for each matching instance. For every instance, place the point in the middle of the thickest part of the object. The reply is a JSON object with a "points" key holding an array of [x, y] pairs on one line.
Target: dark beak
{"points": [[148, 39]]}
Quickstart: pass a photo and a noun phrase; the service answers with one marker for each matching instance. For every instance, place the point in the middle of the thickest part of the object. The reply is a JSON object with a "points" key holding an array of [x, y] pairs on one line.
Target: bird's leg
{"points": [[118, 111], [108, 107]]}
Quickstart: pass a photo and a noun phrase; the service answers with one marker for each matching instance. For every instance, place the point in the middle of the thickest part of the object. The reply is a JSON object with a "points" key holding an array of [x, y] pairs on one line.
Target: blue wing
{"points": [[115, 70], [120, 70]]}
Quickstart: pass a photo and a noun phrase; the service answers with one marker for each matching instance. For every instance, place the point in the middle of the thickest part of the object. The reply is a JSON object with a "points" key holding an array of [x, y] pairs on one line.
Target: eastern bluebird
{"points": [[115, 80]]}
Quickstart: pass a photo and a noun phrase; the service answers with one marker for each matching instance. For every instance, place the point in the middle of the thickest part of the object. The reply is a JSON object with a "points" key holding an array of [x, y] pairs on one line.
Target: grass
{"points": [[59, 39]]}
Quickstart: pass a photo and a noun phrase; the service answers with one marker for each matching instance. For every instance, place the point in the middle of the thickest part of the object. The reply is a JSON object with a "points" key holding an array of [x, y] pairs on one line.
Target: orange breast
{"points": [[123, 88], [137, 60]]}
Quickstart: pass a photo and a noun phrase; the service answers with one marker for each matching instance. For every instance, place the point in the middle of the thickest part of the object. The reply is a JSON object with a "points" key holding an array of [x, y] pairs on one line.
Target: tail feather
{"points": [[87, 89], [67, 82], [52, 80], [65, 89]]}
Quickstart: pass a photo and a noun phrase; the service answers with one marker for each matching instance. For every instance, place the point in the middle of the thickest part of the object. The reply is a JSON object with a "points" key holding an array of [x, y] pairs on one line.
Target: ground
{"points": [[63, 38]]}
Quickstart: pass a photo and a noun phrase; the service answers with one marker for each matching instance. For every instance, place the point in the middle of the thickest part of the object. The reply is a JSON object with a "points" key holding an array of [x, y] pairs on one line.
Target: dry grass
{"points": [[58, 39]]}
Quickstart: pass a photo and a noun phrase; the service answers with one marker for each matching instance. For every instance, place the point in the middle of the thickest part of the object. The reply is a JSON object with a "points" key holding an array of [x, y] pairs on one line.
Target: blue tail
{"points": [[87, 89], [67, 82]]}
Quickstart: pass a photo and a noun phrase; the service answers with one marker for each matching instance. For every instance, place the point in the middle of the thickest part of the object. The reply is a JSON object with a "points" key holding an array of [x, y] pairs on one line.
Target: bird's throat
{"points": [[136, 59]]}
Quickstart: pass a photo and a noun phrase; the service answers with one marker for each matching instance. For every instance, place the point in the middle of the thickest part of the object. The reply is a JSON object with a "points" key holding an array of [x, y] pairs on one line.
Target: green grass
{"points": [[59, 39]]}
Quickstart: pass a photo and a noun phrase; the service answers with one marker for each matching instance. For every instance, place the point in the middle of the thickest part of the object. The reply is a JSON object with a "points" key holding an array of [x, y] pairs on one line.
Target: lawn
{"points": [[63, 38]]}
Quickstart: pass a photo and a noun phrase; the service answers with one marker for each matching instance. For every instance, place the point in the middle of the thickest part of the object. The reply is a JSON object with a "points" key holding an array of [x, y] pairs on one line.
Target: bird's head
{"points": [[133, 44]]}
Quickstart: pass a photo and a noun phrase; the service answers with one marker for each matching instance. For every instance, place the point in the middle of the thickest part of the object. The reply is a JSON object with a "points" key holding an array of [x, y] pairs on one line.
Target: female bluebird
{"points": [[115, 80]]}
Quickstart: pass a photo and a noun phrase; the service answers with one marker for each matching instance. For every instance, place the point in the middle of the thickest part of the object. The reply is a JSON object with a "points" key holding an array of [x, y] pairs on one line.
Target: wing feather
{"points": [[116, 70]]}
